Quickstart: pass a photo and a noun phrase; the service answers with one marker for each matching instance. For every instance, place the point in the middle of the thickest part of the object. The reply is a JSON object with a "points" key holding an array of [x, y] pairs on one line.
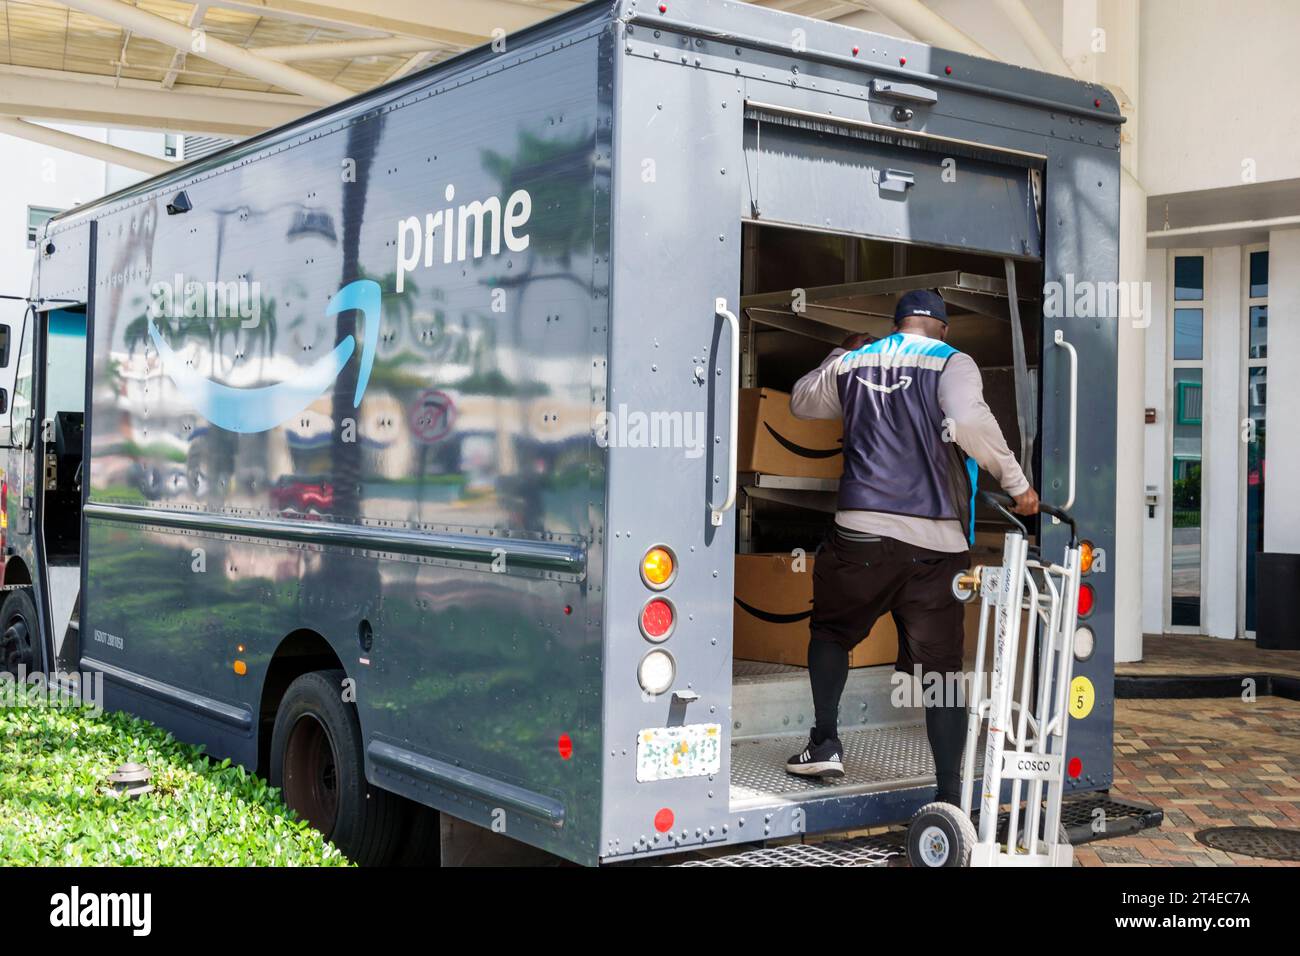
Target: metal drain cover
{"points": [[1266, 843]]}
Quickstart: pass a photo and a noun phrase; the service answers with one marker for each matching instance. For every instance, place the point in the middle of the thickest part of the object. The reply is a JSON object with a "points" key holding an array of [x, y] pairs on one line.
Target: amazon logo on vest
{"points": [[252, 410], [903, 382]]}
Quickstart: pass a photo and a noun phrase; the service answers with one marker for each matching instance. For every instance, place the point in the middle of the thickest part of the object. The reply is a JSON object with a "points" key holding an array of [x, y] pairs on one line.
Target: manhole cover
{"points": [[1267, 843]]}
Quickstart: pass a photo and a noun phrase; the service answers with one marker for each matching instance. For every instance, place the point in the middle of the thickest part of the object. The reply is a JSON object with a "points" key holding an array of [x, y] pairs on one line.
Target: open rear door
{"points": [[805, 170]]}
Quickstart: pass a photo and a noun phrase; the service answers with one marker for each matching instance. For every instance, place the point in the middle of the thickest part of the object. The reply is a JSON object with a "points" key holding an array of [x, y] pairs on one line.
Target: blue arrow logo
{"points": [[251, 410]]}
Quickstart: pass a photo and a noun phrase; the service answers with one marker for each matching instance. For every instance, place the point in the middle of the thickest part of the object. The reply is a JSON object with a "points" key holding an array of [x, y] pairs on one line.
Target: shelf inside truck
{"points": [[827, 312]]}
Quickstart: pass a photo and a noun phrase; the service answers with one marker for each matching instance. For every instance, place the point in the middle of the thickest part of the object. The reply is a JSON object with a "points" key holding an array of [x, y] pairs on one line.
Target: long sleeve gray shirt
{"points": [[976, 431]]}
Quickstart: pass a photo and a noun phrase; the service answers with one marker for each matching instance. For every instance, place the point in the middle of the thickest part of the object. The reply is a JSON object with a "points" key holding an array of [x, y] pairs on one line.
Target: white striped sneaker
{"points": [[825, 759]]}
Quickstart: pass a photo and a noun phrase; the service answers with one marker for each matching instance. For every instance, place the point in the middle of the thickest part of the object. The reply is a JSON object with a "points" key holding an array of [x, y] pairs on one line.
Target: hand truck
{"points": [[1025, 741]]}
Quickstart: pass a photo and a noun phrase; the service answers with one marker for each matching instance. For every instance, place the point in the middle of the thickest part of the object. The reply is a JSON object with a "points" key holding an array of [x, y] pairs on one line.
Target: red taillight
{"points": [[1087, 600], [4, 514], [657, 619], [1074, 768]]}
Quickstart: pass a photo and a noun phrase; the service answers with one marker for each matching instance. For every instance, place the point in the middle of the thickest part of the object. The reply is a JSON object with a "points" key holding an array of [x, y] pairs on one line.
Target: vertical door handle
{"points": [[1059, 339], [733, 434]]}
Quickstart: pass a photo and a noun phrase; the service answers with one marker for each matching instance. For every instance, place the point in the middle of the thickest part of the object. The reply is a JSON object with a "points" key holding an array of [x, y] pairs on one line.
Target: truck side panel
{"points": [[430, 540]]}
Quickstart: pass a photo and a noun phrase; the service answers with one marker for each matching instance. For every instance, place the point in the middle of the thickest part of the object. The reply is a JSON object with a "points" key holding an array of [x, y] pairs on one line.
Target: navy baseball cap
{"points": [[925, 302]]}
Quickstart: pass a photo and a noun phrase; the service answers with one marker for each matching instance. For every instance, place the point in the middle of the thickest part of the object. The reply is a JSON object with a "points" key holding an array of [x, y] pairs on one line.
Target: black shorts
{"points": [[854, 582]]}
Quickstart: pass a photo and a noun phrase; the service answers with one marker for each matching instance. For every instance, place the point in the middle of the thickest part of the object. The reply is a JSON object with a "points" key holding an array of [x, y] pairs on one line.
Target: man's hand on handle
{"points": [[1026, 502], [856, 341]]}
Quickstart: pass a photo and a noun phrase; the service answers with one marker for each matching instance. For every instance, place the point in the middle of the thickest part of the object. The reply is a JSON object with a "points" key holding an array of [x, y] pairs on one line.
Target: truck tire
{"points": [[317, 762], [20, 634]]}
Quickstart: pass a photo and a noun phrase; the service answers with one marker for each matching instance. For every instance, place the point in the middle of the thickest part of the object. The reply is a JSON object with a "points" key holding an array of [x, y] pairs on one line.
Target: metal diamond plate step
{"points": [[858, 851], [889, 848], [879, 758], [1099, 816]]}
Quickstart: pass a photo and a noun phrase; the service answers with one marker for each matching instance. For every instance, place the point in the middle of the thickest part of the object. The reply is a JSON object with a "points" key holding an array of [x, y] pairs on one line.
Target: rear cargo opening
{"points": [[802, 293]]}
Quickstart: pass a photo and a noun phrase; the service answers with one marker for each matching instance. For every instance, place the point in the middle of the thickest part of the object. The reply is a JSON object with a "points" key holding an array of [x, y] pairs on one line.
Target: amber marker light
{"points": [[658, 568], [1086, 553]]}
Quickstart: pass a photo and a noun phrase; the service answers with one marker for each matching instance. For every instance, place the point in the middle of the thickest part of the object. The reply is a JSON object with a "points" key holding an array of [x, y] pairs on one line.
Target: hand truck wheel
{"points": [[940, 835]]}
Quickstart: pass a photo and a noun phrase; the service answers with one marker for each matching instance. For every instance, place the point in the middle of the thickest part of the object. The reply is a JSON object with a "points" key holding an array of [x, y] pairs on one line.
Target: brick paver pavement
{"points": [[1205, 763]]}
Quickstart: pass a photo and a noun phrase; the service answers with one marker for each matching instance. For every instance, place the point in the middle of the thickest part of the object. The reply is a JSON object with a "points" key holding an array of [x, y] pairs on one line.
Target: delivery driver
{"points": [[914, 418]]}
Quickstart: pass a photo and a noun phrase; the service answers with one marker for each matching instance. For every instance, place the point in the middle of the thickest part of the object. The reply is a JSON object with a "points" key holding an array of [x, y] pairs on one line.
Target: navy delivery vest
{"points": [[895, 457]]}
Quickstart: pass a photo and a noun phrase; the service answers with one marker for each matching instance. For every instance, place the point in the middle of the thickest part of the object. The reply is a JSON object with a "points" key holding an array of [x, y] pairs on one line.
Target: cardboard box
{"points": [[774, 442], [773, 609]]}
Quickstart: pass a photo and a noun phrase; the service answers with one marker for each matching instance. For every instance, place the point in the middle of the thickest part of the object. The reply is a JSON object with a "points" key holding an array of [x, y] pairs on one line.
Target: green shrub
{"points": [[57, 808]]}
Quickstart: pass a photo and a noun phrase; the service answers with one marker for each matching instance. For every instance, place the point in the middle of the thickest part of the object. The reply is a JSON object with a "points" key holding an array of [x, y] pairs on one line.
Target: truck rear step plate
{"points": [[875, 758], [1078, 813], [859, 851]]}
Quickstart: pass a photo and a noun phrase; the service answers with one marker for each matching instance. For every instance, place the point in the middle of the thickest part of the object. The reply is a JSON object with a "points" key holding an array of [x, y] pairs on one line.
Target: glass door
{"points": [[1256, 398], [1186, 439]]}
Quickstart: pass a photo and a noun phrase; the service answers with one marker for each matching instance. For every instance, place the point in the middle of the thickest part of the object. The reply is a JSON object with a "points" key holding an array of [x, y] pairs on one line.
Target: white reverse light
{"points": [[1085, 642], [656, 672]]}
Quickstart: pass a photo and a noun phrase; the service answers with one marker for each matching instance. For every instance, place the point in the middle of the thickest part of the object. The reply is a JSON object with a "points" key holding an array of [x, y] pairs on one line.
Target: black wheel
{"points": [[20, 643], [316, 760], [940, 835]]}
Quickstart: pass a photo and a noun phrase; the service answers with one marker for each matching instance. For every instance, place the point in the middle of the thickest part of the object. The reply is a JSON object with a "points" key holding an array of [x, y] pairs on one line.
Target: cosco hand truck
{"points": [[1026, 735]]}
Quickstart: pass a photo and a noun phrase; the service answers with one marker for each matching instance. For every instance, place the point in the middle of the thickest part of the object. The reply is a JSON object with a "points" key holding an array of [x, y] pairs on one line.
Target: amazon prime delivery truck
{"points": [[396, 452]]}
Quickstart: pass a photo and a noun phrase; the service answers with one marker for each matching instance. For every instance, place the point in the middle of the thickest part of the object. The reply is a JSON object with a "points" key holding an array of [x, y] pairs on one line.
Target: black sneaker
{"points": [[825, 759]]}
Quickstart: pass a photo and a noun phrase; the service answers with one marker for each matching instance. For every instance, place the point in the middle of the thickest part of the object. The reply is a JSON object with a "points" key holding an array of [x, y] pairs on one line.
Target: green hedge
{"points": [[57, 808]]}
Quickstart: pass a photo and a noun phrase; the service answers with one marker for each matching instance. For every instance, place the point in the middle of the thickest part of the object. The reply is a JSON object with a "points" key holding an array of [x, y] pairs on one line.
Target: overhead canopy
{"points": [[177, 66]]}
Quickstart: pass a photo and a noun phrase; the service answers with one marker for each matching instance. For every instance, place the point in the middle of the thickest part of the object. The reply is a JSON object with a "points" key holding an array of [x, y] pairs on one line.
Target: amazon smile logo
{"points": [[252, 410], [903, 382], [772, 617], [801, 450]]}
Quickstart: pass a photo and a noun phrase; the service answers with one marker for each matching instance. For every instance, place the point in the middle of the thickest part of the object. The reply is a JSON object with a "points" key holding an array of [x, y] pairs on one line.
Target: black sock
{"points": [[828, 671], [946, 728]]}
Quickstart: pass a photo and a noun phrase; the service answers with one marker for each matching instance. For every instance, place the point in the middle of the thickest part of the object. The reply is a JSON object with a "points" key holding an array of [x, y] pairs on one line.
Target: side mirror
{"points": [[4, 345], [4, 401]]}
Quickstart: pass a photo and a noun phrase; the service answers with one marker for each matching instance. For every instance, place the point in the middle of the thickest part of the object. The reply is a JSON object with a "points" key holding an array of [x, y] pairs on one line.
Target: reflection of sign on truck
{"points": [[432, 416], [538, 626]]}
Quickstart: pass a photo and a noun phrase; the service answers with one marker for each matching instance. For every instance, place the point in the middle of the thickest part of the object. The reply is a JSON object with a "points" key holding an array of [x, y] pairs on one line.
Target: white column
{"points": [[1127, 563], [1156, 468], [1281, 503], [1221, 442], [1100, 41]]}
